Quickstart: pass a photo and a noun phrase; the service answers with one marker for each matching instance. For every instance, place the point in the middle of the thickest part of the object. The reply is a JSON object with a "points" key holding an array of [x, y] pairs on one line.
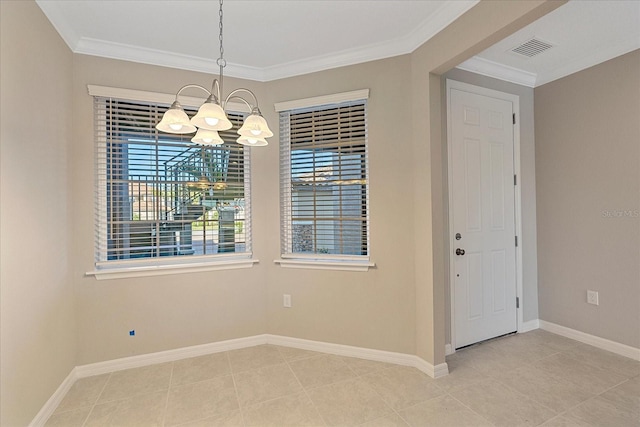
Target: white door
{"points": [[481, 145]]}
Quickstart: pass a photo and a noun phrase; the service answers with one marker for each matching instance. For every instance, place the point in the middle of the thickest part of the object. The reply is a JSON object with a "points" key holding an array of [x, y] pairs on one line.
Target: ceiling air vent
{"points": [[531, 48]]}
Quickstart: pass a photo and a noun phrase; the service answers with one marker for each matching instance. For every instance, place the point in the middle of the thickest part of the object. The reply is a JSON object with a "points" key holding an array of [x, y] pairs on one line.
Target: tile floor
{"points": [[536, 378]]}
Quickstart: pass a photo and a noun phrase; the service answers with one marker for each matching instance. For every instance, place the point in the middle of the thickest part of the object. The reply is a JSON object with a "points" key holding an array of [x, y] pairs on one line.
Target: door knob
{"points": [[459, 251]]}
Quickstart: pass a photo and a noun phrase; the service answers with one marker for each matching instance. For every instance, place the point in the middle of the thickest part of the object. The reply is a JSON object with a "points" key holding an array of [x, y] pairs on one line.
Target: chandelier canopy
{"points": [[211, 116]]}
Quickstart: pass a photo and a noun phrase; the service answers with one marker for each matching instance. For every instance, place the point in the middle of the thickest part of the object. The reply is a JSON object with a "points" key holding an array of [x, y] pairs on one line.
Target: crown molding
{"points": [[441, 18], [600, 55], [499, 71]]}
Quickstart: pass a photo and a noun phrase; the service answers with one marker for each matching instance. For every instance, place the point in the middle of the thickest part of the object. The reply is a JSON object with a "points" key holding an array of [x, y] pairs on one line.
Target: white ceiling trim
{"points": [[440, 19], [88, 46], [612, 50], [499, 71], [445, 15]]}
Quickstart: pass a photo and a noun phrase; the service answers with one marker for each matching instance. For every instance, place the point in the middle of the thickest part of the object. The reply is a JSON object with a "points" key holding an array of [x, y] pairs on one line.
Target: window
{"points": [[324, 183], [162, 200]]}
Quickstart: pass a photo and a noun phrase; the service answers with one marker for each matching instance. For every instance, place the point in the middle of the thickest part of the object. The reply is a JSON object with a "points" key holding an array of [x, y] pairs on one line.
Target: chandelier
{"points": [[211, 116]]}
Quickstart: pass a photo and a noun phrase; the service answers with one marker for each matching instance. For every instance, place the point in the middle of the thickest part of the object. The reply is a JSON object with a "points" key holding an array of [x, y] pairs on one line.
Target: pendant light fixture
{"points": [[211, 117]]}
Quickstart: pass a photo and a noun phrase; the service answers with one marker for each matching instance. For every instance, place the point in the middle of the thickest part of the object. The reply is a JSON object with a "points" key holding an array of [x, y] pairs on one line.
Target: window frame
{"points": [[318, 261], [156, 266]]}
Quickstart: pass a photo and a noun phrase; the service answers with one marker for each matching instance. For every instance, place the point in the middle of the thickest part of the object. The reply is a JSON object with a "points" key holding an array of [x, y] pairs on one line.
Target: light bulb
{"points": [[175, 126], [251, 140], [256, 132], [207, 140], [211, 121]]}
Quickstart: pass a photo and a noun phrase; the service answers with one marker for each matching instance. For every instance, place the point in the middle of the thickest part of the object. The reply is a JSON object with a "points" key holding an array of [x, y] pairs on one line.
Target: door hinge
{"points": [[517, 302], [516, 241], [514, 118], [515, 179]]}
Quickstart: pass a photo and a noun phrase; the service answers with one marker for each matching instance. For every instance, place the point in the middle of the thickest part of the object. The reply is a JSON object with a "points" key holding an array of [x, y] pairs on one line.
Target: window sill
{"points": [[323, 264], [162, 270]]}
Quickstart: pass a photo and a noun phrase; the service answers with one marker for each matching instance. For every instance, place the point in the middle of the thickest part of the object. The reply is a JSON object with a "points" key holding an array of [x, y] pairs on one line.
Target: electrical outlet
{"points": [[592, 297], [286, 300]]}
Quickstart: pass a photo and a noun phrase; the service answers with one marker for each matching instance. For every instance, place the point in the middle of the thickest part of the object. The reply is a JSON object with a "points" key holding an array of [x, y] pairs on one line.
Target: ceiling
{"points": [[271, 39]]}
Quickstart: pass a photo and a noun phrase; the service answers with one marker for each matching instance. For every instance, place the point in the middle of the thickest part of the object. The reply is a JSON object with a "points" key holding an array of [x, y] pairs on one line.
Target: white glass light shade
{"points": [[175, 120], [255, 126], [211, 116], [252, 141], [207, 137]]}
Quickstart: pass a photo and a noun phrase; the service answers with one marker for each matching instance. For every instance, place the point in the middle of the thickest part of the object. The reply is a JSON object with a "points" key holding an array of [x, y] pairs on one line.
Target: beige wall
{"points": [[375, 309], [378, 309], [527, 182], [171, 311], [398, 306], [37, 325], [588, 164]]}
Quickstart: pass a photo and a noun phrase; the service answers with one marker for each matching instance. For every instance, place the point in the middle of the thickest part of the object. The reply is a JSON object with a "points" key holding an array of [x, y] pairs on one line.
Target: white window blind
{"points": [[161, 198], [324, 182]]}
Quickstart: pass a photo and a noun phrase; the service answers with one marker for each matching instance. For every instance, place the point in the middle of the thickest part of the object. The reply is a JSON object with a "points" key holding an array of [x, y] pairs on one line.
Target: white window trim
{"points": [[316, 101], [324, 264], [158, 266], [123, 270], [315, 262], [156, 97]]}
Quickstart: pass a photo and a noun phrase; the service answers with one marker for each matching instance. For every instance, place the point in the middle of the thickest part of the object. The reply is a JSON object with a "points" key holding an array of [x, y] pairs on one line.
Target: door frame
{"points": [[515, 100]]}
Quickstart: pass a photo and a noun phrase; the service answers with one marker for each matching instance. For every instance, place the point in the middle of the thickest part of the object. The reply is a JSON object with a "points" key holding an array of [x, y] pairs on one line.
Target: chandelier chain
{"points": [[221, 61]]}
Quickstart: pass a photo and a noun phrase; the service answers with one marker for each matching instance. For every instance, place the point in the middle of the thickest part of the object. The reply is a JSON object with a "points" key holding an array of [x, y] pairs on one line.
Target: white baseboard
{"points": [[362, 353], [167, 356], [602, 343], [529, 326], [448, 349], [45, 412], [234, 344]]}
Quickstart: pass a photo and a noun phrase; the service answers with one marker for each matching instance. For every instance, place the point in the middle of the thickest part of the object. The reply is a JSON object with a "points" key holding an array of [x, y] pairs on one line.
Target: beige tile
{"points": [[605, 360], [321, 370], [270, 382], [72, 418], [488, 360], [501, 405], [460, 375], [553, 391], [554, 341], [402, 386], [602, 412], [562, 421], [296, 410], [524, 349], [442, 411], [348, 403], [254, 357], [392, 420], [200, 368], [591, 379], [364, 366], [626, 394], [231, 419], [131, 382], [136, 411], [83, 393], [196, 401], [291, 353]]}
